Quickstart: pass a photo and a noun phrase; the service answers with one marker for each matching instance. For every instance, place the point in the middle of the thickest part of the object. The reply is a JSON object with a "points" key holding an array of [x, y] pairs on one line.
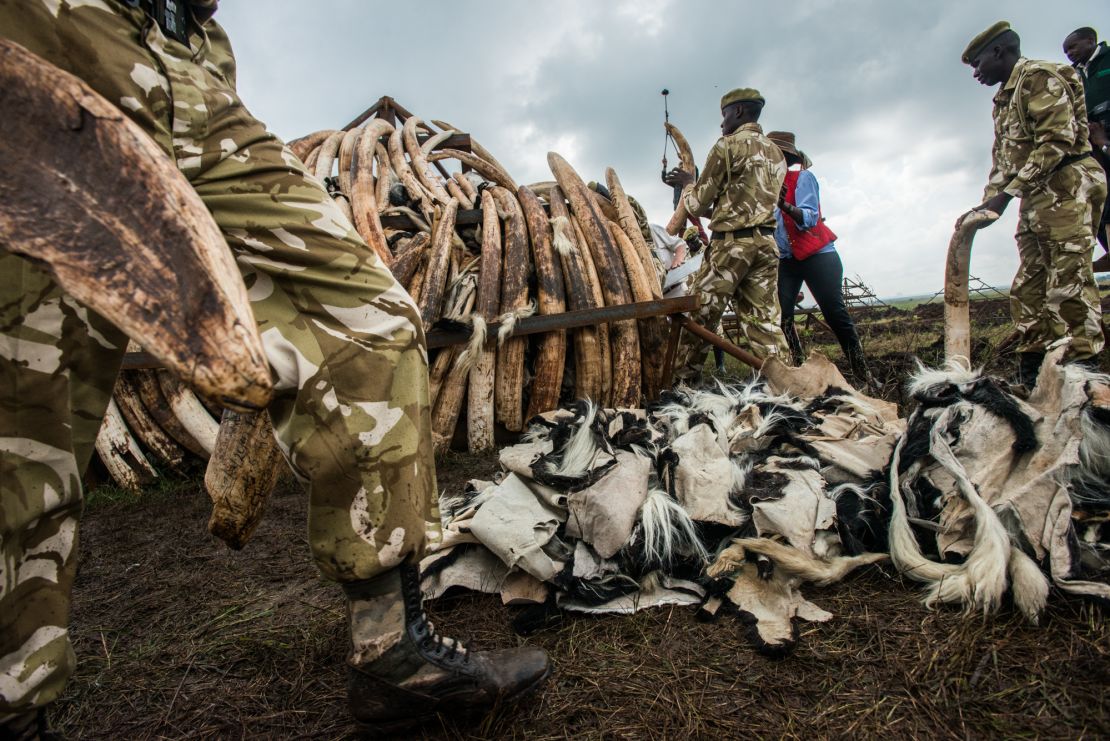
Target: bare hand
{"points": [[679, 256], [996, 204], [678, 178], [1098, 136]]}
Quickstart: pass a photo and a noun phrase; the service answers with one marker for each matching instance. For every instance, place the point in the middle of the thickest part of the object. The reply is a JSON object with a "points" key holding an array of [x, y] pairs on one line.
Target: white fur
{"points": [[1029, 584], [944, 579], [469, 356], [582, 448], [863, 492], [560, 225], [955, 372], [986, 563], [981, 580], [668, 530], [1093, 469], [508, 322], [741, 469], [803, 567]]}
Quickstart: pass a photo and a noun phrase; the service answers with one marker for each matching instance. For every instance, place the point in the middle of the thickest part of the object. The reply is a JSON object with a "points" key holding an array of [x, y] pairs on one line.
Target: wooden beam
{"points": [[365, 115]]}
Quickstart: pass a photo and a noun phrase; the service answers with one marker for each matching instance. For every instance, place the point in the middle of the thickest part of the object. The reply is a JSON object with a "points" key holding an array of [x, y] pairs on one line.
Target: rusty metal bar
{"points": [[572, 319], [672, 350], [526, 326], [739, 353], [465, 217]]}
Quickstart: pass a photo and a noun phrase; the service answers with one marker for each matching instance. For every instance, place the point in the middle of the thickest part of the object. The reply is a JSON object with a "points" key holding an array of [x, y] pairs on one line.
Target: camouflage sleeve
{"points": [[1050, 115], [705, 191], [997, 180]]}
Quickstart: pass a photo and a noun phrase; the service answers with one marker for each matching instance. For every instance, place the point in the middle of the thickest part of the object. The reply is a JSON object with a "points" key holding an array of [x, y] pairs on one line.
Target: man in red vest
{"points": [[807, 254]]}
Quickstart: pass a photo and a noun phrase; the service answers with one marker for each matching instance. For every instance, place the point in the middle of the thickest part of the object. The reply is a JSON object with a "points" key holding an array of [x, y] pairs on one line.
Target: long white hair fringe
{"points": [[668, 530]]}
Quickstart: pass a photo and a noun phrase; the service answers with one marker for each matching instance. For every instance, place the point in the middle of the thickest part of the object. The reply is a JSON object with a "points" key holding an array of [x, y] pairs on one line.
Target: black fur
{"points": [[987, 395]]}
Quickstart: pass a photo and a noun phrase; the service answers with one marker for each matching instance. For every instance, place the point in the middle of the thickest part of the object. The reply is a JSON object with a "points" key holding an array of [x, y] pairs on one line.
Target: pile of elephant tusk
{"points": [[544, 248], [474, 249]]}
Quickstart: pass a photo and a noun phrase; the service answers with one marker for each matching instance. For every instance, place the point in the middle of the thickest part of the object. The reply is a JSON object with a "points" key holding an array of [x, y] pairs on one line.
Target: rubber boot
{"points": [[794, 342], [424, 674], [860, 371], [1029, 365], [719, 360]]}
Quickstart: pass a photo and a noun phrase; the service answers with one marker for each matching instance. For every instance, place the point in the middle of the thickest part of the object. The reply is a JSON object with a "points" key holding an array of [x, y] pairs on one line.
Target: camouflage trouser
{"points": [[1054, 294], [745, 271], [344, 340]]}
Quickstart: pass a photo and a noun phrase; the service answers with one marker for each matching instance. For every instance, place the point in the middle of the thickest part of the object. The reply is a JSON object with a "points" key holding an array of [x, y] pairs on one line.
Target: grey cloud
{"points": [[899, 130]]}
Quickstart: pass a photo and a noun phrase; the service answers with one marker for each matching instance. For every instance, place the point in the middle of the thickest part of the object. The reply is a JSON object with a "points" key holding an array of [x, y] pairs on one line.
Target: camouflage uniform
{"points": [[741, 181], [1040, 156], [343, 338]]}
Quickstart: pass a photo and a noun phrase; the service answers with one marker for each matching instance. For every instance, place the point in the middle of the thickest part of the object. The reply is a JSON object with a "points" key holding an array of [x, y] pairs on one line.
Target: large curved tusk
{"points": [[581, 293], [613, 278], [957, 314], [190, 412], [241, 474], [547, 381], [326, 157], [685, 154], [434, 289], [486, 169], [121, 455], [515, 269], [90, 197], [153, 438], [482, 153], [303, 147], [364, 205], [420, 162], [480, 393]]}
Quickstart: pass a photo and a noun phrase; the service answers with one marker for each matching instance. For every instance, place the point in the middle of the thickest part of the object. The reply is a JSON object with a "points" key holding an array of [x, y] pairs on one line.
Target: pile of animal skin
{"points": [[730, 499]]}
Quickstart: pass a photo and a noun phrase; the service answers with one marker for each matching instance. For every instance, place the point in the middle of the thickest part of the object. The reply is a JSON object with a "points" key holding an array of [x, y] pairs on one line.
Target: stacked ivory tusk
{"points": [[544, 248]]}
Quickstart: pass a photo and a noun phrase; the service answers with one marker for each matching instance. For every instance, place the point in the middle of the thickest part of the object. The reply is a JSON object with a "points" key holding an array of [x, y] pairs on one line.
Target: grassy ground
{"points": [[179, 637]]}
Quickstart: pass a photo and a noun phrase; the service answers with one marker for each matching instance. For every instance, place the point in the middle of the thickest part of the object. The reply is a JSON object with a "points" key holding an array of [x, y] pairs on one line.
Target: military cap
{"points": [[979, 43], [741, 95]]}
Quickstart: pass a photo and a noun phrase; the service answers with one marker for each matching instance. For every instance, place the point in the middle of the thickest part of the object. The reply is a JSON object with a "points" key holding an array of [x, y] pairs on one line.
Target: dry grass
{"points": [[179, 637]]}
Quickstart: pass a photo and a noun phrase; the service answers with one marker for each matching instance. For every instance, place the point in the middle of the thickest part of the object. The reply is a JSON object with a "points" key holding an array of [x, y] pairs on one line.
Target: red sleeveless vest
{"points": [[808, 242]]}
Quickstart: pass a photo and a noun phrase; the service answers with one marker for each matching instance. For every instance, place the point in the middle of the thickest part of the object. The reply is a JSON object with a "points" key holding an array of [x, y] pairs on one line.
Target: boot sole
{"points": [[411, 722]]}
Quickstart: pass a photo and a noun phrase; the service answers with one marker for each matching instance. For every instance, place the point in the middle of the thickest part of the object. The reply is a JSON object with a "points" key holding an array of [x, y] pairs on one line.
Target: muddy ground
{"points": [[177, 636]]}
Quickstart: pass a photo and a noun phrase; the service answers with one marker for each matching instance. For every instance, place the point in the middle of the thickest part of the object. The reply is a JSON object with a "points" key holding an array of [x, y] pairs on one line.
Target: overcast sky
{"points": [[898, 130]]}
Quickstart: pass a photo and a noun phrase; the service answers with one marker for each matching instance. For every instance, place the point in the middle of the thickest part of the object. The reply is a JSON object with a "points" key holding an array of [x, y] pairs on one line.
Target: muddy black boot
{"points": [[423, 674], [860, 372], [1029, 365]]}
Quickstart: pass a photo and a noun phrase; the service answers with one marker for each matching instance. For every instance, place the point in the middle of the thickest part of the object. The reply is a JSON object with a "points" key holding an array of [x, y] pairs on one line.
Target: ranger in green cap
{"points": [[740, 182], [1041, 155]]}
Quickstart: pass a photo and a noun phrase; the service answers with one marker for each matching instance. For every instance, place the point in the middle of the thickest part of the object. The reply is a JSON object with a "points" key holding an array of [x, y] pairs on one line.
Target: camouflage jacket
{"points": [[740, 181], [1039, 119]]}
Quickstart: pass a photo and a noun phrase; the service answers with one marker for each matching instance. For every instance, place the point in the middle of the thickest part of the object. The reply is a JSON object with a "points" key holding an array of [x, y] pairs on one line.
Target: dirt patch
{"points": [[177, 636]]}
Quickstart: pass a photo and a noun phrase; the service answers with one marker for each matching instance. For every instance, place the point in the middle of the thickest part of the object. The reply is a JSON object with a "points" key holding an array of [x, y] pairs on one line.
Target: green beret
{"points": [[980, 42], [741, 95]]}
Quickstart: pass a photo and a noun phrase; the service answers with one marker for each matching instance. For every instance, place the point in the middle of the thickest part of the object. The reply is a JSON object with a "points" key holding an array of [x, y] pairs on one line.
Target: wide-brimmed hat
{"points": [[785, 141]]}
